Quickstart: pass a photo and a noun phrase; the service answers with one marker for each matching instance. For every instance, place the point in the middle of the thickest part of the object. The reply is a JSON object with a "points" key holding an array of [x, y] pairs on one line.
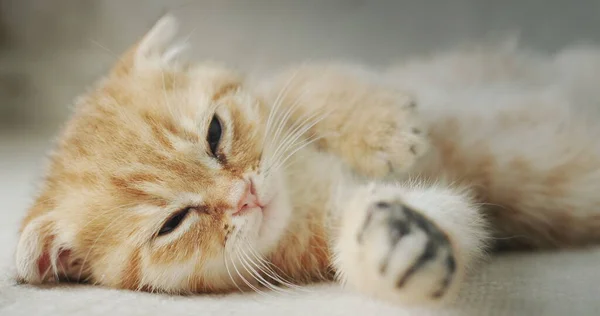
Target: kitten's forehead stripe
{"points": [[125, 187], [224, 90]]}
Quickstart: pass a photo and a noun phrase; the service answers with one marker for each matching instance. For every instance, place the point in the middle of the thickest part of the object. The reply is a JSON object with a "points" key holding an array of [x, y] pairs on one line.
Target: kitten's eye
{"points": [[214, 135], [174, 221]]}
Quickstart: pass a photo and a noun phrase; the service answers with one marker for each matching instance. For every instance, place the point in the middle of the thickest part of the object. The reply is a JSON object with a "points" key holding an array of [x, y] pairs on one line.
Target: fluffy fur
{"points": [[393, 181]]}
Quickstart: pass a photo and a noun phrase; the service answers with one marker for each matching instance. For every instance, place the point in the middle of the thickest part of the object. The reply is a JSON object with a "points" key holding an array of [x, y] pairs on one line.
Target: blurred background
{"points": [[50, 50]]}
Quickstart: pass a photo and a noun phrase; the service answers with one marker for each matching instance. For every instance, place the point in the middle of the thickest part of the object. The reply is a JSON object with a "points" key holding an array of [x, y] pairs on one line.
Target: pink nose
{"points": [[249, 200]]}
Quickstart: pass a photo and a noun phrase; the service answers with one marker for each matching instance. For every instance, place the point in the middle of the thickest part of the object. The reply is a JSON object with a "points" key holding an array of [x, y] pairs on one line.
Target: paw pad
{"points": [[433, 264]]}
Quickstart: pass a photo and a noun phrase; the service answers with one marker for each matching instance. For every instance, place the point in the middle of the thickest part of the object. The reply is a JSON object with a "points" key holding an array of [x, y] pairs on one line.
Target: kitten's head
{"points": [[159, 180]]}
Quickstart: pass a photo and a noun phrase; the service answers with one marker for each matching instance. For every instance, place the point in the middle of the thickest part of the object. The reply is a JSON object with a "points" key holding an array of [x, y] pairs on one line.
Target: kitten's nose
{"points": [[249, 199]]}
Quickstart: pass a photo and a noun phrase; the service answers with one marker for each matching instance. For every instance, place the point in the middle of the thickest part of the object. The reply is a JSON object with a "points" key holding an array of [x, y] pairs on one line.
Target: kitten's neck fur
{"points": [[306, 245]]}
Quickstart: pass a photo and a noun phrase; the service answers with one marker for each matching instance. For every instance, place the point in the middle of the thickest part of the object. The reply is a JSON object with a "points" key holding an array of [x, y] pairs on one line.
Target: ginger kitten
{"points": [[181, 178]]}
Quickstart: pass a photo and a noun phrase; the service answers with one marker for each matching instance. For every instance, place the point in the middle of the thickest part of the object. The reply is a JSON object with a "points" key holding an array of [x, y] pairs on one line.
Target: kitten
{"points": [[180, 178]]}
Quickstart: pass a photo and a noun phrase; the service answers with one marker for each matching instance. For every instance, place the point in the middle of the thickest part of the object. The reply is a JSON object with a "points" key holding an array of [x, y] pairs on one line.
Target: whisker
{"points": [[297, 131], [186, 40], [306, 143], [266, 268], [254, 288], [277, 103], [280, 121], [229, 270], [116, 56], [289, 143], [248, 263], [235, 250], [227, 251], [285, 118]]}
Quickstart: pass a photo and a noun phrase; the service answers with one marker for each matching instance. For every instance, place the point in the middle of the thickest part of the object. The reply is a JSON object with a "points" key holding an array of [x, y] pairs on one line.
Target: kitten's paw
{"points": [[370, 124], [399, 255], [390, 139], [408, 251]]}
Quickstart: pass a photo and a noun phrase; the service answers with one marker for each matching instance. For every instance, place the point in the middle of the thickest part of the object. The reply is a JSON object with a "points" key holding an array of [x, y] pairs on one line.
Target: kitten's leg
{"points": [[408, 243], [371, 126]]}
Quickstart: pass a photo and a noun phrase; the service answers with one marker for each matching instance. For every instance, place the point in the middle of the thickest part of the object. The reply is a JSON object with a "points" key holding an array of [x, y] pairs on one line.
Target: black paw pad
{"points": [[401, 221]]}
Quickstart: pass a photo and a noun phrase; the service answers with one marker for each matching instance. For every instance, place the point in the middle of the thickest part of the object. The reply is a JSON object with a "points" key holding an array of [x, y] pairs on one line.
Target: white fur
{"points": [[359, 263], [28, 252]]}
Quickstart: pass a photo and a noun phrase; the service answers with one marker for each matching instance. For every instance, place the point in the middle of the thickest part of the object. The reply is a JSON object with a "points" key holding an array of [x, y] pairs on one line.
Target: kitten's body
{"points": [[521, 130], [512, 154]]}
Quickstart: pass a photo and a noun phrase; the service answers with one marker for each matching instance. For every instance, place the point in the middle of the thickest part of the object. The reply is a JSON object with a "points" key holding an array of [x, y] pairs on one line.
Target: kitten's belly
{"points": [[512, 145], [468, 132]]}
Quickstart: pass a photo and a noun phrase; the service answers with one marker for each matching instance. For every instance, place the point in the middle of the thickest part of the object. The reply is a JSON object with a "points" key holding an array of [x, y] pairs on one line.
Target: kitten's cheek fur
{"points": [[414, 248]]}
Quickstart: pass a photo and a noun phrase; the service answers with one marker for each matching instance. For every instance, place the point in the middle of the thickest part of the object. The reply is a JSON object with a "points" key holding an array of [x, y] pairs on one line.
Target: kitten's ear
{"points": [[156, 49], [44, 255]]}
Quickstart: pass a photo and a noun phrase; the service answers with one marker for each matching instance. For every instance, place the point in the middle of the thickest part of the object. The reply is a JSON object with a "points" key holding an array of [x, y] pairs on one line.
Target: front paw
{"points": [[410, 252], [387, 138], [397, 254]]}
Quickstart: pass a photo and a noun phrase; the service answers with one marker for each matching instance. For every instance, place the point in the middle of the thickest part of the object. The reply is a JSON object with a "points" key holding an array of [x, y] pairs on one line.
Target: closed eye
{"points": [[174, 221]]}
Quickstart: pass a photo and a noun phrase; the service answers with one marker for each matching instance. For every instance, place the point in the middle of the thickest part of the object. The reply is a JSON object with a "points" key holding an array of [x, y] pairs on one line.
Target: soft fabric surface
{"points": [[564, 283]]}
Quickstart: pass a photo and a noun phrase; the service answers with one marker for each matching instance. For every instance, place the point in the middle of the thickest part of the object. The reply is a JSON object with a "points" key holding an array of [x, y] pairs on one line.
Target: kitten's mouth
{"points": [[262, 206], [247, 210]]}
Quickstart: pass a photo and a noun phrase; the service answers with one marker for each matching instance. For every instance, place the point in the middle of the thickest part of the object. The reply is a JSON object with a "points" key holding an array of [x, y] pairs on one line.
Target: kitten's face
{"points": [[160, 181]]}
